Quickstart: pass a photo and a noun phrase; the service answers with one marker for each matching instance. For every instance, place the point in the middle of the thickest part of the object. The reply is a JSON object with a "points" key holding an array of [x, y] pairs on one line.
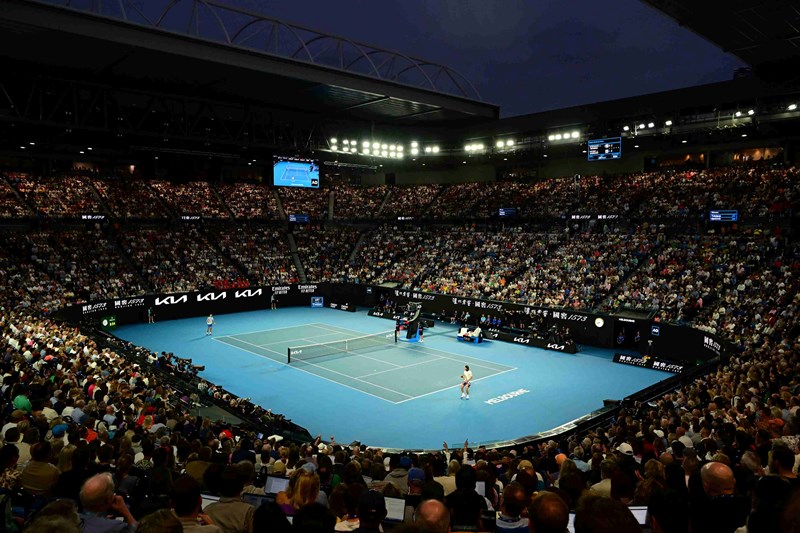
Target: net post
{"points": [[289, 355]]}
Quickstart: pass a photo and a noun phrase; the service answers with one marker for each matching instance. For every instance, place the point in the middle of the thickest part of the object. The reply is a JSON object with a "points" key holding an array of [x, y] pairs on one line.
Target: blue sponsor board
{"points": [[317, 301]]}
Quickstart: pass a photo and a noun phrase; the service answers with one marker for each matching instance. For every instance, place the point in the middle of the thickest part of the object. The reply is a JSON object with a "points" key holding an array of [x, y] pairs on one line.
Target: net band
{"points": [[345, 346]]}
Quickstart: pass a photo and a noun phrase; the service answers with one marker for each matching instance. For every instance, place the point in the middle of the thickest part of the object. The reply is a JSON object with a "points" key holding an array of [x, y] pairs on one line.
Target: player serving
{"points": [[466, 381]]}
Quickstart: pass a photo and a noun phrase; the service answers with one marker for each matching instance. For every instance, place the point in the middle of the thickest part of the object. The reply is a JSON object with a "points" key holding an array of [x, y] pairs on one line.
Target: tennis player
{"points": [[466, 381], [210, 324]]}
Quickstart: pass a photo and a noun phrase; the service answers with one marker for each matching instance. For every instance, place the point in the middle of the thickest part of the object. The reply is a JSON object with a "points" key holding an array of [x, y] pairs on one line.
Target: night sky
{"points": [[526, 56]]}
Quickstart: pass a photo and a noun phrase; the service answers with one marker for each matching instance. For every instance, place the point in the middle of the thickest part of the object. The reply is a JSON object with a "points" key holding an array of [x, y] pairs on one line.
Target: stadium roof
{"points": [[763, 34], [293, 69]]}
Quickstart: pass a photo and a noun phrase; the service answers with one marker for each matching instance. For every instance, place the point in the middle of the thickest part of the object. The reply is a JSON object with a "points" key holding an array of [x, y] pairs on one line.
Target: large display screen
{"points": [[295, 172], [724, 215], [605, 149]]}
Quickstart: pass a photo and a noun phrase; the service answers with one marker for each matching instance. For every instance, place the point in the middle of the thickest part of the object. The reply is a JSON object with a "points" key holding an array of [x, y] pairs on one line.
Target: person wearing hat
{"points": [[416, 480]]}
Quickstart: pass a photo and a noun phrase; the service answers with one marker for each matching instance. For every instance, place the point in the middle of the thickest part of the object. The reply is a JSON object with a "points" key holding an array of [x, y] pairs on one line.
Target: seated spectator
{"points": [[313, 518], [548, 513], [230, 513], [40, 477], [99, 501], [719, 509], [186, 501], [510, 519], [466, 505], [607, 469], [161, 521], [371, 512], [597, 514], [432, 516]]}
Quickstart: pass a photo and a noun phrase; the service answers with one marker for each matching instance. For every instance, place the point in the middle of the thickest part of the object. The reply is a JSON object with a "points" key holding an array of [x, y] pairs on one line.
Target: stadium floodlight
{"points": [[684, 141], [551, 137], [636, 146], [392, 154], [81, 152], [668, 123], [414, 144], [376, 145], [333, 140], [744, 135], [737, 114], [575, 134], [353, 143], [500, 144], [751, 112], [558, 136], [392, 147], [399, 147], [792, 107], [384, 146], [641, 126], [651, 124], [626, 128], [400, 155], [510, 142], [428, 149], [365, 144], [479, 146], [345, 141], [415, 151], [435, 149], [384, 153], [353, 148], [22, 147], [365, 151]]}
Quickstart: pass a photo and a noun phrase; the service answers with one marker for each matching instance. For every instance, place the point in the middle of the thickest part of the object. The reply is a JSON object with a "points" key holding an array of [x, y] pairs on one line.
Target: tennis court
{"points": [[290, 174], [374, 365]]}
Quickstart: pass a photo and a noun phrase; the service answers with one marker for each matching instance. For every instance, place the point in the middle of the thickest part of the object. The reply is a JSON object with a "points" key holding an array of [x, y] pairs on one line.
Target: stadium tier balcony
{"points": [[131, 199], [324, 251], [358, 203], [195, 198], [250, 200], [263, 252]]}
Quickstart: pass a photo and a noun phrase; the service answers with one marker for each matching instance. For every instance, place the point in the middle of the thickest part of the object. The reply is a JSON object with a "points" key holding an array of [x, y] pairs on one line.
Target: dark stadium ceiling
{"points": [[94, 42], [765, 34]]}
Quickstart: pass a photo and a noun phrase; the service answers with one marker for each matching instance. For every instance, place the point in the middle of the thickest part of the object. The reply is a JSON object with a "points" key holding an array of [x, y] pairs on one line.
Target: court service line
{"points": [[457, 357], [401, 368], [311, 373], [454, 386], [270, 330], [331, 370]]}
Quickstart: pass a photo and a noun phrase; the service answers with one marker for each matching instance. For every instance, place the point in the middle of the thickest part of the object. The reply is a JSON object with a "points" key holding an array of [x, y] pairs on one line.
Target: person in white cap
{"points": [[210, 324]]}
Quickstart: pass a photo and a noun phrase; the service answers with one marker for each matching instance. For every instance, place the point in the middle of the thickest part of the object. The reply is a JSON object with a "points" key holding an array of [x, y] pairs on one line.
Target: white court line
{"points": [[270, 330], [454, 386], [311, 373], [401, 367], [352, 354], [334, 371], [458, 357]]}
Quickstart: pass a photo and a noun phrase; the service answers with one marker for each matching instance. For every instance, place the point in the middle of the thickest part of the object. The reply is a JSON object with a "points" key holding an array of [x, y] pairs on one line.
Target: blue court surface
{"points": [[294, 174], [403, 395]]}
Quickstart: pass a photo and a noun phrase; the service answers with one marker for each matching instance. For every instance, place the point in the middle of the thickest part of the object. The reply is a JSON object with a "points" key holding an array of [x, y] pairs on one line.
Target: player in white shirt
{"points": [[466, 381], [209, 324]]}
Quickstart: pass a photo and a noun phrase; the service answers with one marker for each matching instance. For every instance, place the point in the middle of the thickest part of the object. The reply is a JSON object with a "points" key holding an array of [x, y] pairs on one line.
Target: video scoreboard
{"points": [[723, 215], [604, 149]]}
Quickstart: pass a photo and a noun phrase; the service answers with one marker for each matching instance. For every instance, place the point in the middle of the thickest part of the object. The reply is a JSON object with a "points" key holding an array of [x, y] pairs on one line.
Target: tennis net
{"points": [[362, 344]]}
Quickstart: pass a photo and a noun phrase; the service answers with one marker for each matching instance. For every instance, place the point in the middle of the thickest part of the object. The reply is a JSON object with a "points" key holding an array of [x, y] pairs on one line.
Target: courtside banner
{"points": [[673, 342]]}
